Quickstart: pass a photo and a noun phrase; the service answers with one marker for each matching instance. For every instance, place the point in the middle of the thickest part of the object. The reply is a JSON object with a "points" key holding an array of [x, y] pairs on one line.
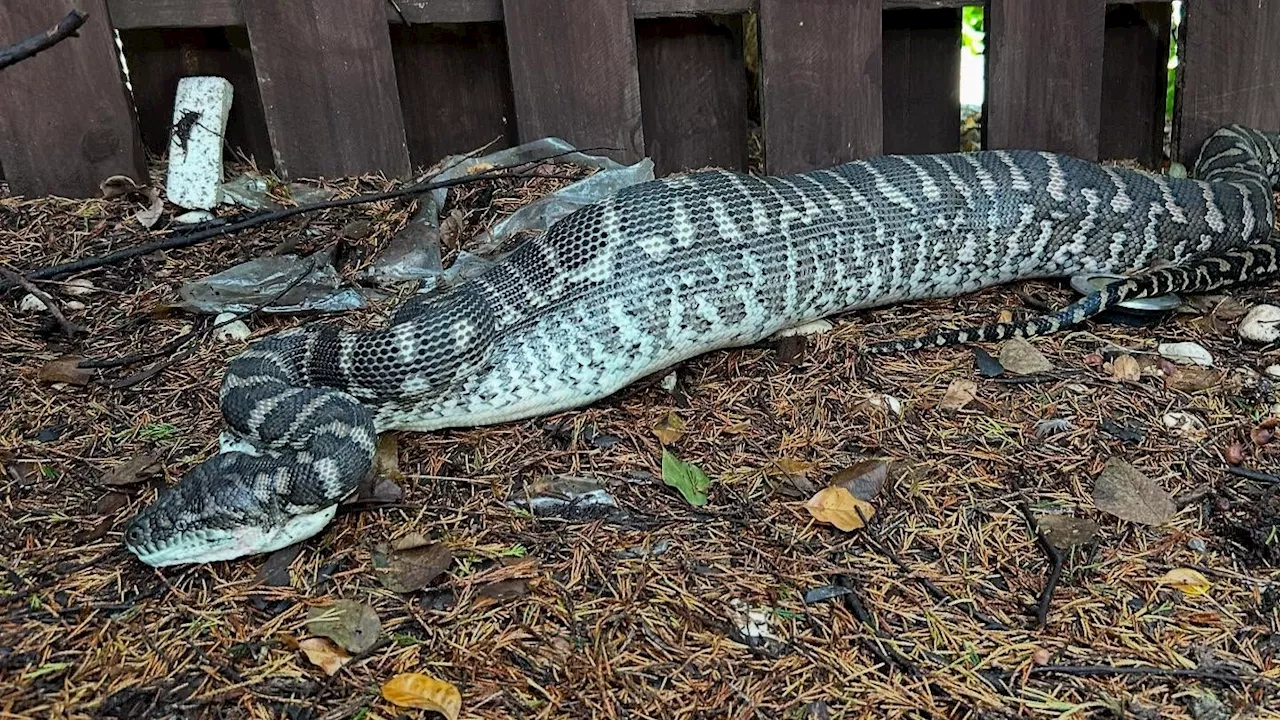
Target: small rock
{"points": [[669, 382], [193, 217], [31, 303], [1022, 358], [1186, 425], [1261, 324], [1052, 426], [1196, 545], [74, 305], [357, 229], [233, 331], [1207, 706], [816, 327], [1186, 353], [79, 286], [1273, 371]]}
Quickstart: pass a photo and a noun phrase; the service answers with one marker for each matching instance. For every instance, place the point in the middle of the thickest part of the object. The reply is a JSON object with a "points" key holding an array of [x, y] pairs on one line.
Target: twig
{"points": [[396, 6], [186, 240], [183, 339], [69, 328], [1146, 671], [884, 652], [933, 590], [65, 28], [1253, 474], [1056, 561]]}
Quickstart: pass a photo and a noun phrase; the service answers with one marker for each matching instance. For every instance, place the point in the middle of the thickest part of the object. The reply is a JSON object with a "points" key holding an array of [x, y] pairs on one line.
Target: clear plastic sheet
{"points": [[415, 251], [245, 286]]}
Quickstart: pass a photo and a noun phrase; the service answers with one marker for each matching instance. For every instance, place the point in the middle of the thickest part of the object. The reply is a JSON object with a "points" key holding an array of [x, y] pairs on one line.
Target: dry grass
{"points": [[593, 630]]}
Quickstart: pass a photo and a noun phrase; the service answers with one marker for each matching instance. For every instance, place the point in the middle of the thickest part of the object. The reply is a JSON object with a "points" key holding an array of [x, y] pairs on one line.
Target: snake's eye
{"points": [[133, 535]]}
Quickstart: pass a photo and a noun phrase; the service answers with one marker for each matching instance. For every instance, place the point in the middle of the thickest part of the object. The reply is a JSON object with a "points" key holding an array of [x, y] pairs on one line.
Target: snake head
{"points": [[228, 506]]}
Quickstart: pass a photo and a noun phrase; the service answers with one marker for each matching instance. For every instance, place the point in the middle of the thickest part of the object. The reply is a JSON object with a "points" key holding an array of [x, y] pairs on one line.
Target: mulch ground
{"points": [[930, 611]]}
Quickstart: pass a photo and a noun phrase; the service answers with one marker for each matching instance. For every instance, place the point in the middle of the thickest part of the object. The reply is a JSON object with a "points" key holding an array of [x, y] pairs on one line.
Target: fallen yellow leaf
{"points": [[324, 654], [792, 466], [1189, 581], [670, 428], [838, 506], [1126, 368], [416, 690]]}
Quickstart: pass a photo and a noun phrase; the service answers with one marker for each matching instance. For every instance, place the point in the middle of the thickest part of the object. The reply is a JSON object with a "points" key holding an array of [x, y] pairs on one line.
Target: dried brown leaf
{"points": [[65, 370], [132, 471], [1125, 492], [670, 428], [959, 394], [410, 569], [1067, 531], [1125, 368], [863, 480], [837, 506], [352, 625], [417, 690], [1022, 358], [324, 654]]}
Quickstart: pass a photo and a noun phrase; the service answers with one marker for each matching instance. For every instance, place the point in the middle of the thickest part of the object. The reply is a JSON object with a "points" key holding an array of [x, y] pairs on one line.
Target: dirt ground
{"points": [[743, 608]]}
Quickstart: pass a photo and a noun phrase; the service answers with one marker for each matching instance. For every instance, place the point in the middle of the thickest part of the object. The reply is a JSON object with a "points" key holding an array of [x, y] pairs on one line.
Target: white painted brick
{"points": [[195, 164]]}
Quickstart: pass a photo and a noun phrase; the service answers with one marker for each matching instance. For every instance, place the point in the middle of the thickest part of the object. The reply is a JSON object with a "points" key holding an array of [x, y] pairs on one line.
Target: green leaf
{"points": [[685, 477]]}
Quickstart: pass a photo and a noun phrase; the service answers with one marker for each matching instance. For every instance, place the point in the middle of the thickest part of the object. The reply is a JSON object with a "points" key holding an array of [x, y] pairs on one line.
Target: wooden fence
{"points": [[335, 87]]}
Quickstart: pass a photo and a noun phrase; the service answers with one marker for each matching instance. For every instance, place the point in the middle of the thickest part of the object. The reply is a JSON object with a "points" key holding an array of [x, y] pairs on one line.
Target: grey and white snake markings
{"points": [[676, 267]]}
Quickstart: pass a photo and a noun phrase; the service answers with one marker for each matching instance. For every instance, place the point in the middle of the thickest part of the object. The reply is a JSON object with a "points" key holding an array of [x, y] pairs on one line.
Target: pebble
{"points": [[232, 331], [75, 305], [31, 303], [193, 217], [1186, 353], [1196, 545], [79, 286], [1273, 371], [1261, 324]]}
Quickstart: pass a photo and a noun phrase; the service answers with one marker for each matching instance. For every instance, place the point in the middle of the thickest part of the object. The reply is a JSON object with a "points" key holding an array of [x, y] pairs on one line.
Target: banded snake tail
{"points": [[680, 266]]}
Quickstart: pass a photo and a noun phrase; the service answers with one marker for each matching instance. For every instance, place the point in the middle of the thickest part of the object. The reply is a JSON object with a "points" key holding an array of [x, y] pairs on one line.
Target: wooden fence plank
{"points": [[821, 80], [1044, 75], [216, 13], [693, 89], [573, 70], [454, 87], [1229, 60], [921, 81], [66, 121], [1134, 80], [130, 14], [328, 86], [159, 58]]}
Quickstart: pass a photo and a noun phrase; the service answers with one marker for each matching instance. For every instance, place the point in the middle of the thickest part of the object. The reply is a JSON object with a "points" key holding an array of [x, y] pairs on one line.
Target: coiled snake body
{"points": [[676, 267]]}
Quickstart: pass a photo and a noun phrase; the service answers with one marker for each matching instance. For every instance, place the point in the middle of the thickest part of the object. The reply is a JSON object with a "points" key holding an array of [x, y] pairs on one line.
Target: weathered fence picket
{"points": [[332, 87]]}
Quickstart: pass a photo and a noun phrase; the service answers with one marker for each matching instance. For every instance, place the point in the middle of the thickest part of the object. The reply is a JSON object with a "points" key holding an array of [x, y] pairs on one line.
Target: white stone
{"points": [[31, 303], [669, 382], [74, 305], [1261, 324], [817, 327], [1273, 371], [1186, 353], [195, 143], [193, 217], [233, 331], [79, 286]]}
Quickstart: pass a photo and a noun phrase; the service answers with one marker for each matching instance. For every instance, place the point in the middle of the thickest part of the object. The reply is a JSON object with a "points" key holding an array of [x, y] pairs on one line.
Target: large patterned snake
{"points": [[676, 267]]}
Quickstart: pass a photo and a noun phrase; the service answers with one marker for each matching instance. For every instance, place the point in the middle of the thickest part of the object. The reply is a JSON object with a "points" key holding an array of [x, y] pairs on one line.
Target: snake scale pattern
{"points": [[679, 266]]}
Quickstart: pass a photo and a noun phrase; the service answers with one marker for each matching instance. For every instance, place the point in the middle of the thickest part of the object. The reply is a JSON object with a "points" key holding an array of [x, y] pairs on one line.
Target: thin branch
{"points": [[1253, 474], [1145, 671], [69, 328], [183, 339], [1056, 561], [65, 28], [186, 240]]}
